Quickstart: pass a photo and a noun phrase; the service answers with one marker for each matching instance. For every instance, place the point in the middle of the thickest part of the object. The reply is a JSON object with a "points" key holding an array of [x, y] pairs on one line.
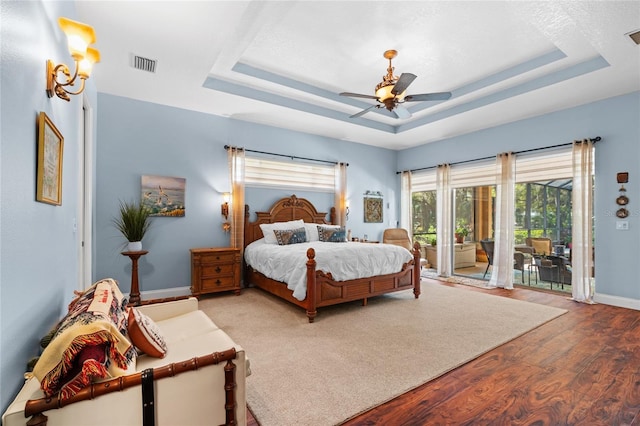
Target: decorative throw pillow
{"points": [[332, 234], [145, 334], [268, 228], [290, 236]]}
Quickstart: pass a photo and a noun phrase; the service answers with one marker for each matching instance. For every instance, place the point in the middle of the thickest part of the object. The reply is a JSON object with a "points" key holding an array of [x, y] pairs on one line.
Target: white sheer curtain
{"points": [[340, 194], [502, 269], [582, 283], [444, 231], [235, 157], [406, 220]]}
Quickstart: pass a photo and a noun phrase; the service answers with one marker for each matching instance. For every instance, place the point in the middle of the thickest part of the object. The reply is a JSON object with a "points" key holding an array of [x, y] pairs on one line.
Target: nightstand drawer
{"points": [[215, 270], [215, 258], [218, 284]]}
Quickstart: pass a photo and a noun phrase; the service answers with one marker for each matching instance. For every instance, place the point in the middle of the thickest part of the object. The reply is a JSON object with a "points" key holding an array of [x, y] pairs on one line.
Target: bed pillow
{"points": [[331, 234], [268, 228], [312, 230], [145, 334], [290, 236]]}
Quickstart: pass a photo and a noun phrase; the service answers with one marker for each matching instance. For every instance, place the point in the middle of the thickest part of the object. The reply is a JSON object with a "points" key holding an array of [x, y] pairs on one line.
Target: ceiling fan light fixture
{"points": [[383, 92], [392, 91]]}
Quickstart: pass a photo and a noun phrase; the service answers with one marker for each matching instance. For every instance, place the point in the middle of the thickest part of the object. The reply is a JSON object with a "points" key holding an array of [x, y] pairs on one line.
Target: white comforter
{"points": [[345, 261]]}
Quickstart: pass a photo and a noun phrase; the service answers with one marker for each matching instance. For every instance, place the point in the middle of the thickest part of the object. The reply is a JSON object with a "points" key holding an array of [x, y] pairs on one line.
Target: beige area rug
{"points": [[356, 357]]}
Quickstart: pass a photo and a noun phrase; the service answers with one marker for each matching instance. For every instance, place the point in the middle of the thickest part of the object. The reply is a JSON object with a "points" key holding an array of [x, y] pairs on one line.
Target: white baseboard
{"points": [[166, 292], [621, 302]]}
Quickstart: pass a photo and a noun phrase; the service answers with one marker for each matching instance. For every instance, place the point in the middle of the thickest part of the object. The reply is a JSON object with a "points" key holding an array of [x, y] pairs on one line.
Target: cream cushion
{"points": [[540, 246]]}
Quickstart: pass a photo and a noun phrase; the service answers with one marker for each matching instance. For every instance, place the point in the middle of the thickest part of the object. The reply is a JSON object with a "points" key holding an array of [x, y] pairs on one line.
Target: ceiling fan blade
{"points": [[406, 78], [440, 96], [401, 112], [364, 111], [358, 95]]}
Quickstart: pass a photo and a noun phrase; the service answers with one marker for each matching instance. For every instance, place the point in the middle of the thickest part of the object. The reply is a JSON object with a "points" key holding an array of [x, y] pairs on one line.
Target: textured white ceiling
{"points": [[283, 63]]}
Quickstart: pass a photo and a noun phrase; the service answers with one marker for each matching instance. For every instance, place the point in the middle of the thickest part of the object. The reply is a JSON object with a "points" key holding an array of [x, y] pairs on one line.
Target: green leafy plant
{"points": [[132, 221], [462, 231], [433, 241]]}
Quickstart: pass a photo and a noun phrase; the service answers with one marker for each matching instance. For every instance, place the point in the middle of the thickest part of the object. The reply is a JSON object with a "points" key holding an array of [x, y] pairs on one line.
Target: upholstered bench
{"points": [[198, 380]]}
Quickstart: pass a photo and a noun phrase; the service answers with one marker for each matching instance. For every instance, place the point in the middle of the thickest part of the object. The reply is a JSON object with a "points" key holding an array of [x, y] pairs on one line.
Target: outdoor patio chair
{"points": [[518, 259], [540, 245]]}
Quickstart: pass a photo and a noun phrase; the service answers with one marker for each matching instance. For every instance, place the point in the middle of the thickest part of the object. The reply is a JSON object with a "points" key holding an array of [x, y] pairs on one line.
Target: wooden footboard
{"points": [[323, 290]]}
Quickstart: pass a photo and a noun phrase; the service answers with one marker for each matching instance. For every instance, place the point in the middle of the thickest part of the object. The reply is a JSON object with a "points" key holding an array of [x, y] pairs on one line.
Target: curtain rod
{"points": [[288, 156], [594, 140]]}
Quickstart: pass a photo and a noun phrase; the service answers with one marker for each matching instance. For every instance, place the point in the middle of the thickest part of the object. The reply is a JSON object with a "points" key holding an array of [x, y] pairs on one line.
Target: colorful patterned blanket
{"points": [[88, 344]]}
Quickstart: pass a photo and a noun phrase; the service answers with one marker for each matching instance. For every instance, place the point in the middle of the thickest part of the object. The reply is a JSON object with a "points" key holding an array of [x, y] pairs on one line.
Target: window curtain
{"points": [[406, 216], [444, 231], [235, 158], [502, 269], [340, 193], [582, 283]]}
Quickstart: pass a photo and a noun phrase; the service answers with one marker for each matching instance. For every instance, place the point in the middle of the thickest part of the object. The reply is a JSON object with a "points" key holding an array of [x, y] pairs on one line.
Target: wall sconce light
{"points": [[225, 206], [346, 204], [79, 37]]}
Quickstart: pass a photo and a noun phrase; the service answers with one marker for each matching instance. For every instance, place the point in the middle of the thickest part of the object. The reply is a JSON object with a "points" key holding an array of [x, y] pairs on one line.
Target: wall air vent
{"points": [[634, 36], [144, 64]]}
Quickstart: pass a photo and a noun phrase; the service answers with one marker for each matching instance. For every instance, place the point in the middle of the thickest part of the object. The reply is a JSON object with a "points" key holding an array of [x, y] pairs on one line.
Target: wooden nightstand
{"points": [[214, 270]]}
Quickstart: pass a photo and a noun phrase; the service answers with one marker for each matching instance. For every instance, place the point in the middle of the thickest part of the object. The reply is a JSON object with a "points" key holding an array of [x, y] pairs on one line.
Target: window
{"points": [[260, 172], [423, 206]]}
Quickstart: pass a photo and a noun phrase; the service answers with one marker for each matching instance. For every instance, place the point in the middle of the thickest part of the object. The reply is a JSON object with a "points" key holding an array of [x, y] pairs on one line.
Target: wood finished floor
{"points": [[582, 368]]}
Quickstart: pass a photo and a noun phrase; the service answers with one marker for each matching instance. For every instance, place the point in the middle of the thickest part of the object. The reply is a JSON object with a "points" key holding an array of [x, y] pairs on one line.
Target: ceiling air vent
{"points": [[635, 36], [144, 64]]}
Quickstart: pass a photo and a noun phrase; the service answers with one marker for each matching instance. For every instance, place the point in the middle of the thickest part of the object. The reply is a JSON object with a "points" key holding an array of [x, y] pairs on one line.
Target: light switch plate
{"points": [[622, 225]]}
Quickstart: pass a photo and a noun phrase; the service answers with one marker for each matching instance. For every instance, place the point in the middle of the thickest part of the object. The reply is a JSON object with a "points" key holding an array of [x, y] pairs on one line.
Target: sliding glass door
{"points": [[542, 209]]}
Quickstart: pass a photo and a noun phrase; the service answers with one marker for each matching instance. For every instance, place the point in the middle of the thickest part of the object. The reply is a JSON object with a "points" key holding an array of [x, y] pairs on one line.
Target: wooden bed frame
{"points": [[322, 290]]}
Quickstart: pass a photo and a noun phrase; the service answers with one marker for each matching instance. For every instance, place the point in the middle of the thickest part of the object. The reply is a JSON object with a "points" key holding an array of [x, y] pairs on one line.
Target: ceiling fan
{"points": [[390, 92]]}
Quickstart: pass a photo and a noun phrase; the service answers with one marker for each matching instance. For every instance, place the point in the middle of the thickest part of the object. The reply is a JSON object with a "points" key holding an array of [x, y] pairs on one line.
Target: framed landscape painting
{"points": [[49, 174], [163, 195]]}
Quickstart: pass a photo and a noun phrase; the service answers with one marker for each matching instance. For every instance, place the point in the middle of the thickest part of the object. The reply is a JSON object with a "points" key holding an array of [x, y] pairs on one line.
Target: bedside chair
{"points": [[400, 237]]}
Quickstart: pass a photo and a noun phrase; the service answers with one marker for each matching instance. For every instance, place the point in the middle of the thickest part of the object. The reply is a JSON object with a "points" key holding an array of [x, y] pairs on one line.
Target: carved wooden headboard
{"points": [[285, 209]]}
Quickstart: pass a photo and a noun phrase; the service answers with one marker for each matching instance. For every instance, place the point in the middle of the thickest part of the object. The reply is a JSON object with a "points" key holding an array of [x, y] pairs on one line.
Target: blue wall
{"points": [[139, 138], [617, 121], [38, 246]]}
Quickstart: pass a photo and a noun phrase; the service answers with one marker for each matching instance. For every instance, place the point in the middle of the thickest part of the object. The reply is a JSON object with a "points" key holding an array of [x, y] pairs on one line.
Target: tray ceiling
{"points": [[284, 63]]}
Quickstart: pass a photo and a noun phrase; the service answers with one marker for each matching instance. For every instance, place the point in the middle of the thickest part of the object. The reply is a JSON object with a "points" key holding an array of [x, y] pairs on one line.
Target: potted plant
{"points": [[133, 222], [433, 241], [461, 232]]}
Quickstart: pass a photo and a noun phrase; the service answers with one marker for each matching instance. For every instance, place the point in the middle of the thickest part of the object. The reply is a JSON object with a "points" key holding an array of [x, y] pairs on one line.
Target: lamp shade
{"points": [[86, 64], [79, 36]]}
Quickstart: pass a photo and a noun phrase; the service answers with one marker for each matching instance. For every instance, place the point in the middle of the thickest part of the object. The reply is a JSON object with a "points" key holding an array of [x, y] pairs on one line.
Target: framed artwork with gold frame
{"points": [[49, 174]]}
